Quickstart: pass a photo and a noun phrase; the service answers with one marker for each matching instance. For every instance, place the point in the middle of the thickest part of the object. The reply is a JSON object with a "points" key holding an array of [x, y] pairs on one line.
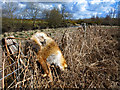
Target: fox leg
{"points": [[44, 66]]}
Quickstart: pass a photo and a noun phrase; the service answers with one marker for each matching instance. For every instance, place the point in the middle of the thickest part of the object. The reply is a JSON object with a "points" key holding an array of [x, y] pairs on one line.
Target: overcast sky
{"points": [[78, 8]]}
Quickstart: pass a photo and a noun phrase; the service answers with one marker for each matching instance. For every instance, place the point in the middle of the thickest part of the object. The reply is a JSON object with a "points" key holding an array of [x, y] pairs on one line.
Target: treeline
{"points": [[56, 21], [9, 25], [100, 21]]}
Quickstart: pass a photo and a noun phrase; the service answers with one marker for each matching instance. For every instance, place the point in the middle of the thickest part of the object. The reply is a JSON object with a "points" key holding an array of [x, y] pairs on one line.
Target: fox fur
{"points": [[49, 53]]}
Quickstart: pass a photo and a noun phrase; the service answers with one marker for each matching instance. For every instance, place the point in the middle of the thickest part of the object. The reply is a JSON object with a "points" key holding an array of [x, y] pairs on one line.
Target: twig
{"points": [[21, 82], [8, 66], [90, 84], [18, 38], [3, 71], [18, 63], [81, 48], [8, 53], [15, 79], [56, 73], [25, 75], [10, 74], [6, 47]]}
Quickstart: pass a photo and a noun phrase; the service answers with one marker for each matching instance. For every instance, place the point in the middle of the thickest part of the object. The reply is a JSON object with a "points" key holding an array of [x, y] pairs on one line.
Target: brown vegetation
{"points": [[93, 58]]}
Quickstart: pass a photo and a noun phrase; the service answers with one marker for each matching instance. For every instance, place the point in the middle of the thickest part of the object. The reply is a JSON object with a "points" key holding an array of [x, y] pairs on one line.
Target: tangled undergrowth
{"points": [[93, 57]]}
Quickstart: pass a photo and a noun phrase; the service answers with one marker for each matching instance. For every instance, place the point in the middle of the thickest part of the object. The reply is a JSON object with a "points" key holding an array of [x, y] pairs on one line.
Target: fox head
{"points": [[39, 39]]}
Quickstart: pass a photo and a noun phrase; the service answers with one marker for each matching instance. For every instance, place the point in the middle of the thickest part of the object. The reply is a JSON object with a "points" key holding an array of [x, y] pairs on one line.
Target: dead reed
{"points": [[92, 55]]}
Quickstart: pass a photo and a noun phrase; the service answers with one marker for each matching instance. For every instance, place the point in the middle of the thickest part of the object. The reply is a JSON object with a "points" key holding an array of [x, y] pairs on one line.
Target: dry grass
{"points": [[93, 58]]}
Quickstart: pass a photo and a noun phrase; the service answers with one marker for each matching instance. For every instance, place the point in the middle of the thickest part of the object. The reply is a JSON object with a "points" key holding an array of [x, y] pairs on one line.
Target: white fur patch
{"points": [[55, 59]]}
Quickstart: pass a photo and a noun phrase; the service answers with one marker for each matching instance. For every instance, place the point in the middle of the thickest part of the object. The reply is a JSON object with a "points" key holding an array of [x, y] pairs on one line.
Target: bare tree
{"points": [[45, 14], [65, 14], [9, 13], [118, 14], [33, 11], [9, 9], [111, 14]]}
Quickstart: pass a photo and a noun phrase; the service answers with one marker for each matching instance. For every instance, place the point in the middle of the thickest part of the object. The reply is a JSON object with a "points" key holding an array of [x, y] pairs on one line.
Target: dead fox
{"points": [[49, 53]]}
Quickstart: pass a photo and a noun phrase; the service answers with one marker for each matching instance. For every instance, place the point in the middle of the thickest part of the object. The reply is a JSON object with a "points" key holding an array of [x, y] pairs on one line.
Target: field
{"points": [[93, 57]]}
